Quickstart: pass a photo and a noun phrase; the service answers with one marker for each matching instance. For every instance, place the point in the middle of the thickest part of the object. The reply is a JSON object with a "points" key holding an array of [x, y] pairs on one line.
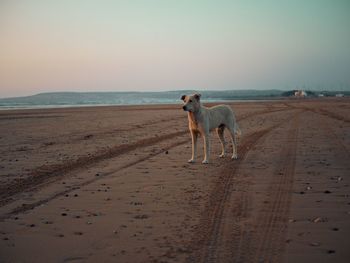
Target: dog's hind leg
{"points": [[220, 132], [234, 142]]}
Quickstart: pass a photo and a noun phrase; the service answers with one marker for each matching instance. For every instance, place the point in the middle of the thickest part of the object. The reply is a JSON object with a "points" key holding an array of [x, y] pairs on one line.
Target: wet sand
{"points": [[112, 184]]}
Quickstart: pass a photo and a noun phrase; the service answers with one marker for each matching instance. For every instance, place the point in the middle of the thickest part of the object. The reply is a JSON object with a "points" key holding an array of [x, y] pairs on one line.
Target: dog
{"points": [[202, 120]]}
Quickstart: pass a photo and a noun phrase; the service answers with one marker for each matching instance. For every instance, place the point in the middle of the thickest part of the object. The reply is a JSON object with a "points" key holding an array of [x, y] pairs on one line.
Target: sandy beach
{"points": [[112, 184]]}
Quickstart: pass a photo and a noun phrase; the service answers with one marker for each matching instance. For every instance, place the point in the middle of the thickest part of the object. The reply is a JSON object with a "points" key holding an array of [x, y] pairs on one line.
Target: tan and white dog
{"points": [[203, 120]]}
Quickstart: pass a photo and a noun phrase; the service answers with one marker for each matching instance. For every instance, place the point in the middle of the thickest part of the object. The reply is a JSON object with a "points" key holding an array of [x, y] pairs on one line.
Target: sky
{"points": [[149, 45]]}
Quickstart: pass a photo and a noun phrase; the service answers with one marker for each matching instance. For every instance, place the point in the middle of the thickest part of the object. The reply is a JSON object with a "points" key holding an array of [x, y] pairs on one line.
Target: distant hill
{"points": [[128, 98]]}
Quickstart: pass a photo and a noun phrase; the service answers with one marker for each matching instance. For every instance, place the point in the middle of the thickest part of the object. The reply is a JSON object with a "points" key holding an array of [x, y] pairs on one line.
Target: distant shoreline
{"points": [[65, 106]]}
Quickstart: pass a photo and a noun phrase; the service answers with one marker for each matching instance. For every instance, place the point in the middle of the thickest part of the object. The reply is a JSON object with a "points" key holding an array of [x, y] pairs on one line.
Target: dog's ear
{"points": [[197, 96], [183, 97]]}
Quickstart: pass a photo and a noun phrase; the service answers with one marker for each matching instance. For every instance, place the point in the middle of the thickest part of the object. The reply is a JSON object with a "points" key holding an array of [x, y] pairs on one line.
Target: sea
{"points": [[58, 106], [98, 99]]}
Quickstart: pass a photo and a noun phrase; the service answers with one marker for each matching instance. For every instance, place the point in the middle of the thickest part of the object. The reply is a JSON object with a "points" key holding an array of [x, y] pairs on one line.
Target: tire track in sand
{"points": [[224, 233], [21, 209], [273, 219], [321, 111], [206, 239], [48, 173]]}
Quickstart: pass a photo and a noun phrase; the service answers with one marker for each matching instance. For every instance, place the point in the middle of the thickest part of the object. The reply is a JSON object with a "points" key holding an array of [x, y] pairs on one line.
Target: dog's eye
{"points": [[190, 100]]}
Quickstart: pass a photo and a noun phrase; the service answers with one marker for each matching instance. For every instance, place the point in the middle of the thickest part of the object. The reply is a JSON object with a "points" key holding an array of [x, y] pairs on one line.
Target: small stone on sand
{"points": [[315, 244], [319, 219]]}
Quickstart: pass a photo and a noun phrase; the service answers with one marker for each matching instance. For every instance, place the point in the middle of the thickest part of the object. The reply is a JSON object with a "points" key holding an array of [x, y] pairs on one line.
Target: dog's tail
{"points": [[238, 131]]}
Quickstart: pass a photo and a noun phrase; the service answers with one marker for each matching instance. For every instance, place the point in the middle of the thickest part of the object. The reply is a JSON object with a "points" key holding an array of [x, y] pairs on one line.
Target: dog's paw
{"points": [[222, 155], [191, 161], [234, 157], [205, 162]]}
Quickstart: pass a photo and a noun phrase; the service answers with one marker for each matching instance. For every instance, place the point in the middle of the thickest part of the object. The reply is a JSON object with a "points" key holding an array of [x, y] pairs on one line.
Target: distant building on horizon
{"points": [[300, 94]]}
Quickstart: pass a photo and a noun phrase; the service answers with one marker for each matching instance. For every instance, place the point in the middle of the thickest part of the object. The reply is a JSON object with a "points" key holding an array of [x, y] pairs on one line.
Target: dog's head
{"points": [[191, 102]]}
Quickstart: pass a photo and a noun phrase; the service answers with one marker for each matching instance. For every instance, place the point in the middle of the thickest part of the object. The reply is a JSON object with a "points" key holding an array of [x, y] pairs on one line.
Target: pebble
{"points": [[319, 219], [141, 216], [315, 244], [63, 214]]}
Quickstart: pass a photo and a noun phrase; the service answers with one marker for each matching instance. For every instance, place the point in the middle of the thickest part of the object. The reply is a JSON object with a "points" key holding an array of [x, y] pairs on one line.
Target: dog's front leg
{"points": [[206, 148], [194, 136]]}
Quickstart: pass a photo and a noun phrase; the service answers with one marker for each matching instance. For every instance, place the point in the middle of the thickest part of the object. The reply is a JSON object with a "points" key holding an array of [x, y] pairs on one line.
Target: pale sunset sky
{"points": [[148, 45]]}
